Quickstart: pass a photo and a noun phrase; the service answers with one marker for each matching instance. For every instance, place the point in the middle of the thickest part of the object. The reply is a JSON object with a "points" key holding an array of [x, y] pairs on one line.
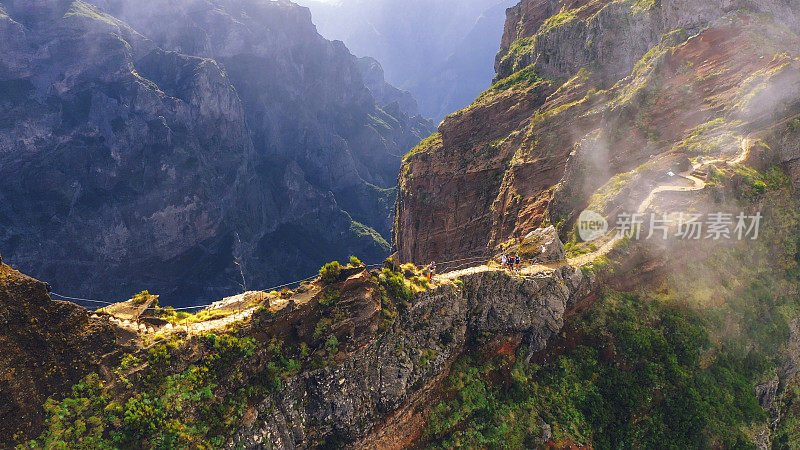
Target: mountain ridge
{"points": [[272, 150], [626, 341], [548, 125]]}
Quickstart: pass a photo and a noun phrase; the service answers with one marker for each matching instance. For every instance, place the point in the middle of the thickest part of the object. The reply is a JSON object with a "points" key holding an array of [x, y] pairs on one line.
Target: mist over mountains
{"points": [[442, 51], [192, 147], [202, 148]]}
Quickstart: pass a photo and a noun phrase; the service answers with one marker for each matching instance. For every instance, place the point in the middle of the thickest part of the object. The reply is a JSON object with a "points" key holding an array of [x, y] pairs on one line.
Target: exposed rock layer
{"points": [[586, 93], [343, 404]]}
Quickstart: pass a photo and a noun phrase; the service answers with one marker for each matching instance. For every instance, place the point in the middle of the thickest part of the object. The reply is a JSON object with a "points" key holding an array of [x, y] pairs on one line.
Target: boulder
{"points": [[542, 245], [355, 281]]}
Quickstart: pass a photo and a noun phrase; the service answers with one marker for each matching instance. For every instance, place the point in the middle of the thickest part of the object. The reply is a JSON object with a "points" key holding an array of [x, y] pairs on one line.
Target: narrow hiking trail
{"points": [[695, 184], [218, 324], [690, 183], [236, 308]]}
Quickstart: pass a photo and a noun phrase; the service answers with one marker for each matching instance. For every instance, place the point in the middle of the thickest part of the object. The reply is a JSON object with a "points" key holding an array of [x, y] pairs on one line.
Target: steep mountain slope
{"points": [[133, 162], [441, 51], [627, 343], [663, 109], [321, 366], [385, 94], [48, 347], [589, 90], [302, 93]]}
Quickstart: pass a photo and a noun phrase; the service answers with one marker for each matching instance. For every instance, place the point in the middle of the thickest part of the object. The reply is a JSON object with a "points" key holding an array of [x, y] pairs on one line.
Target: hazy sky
{"points": [[441, 50]]}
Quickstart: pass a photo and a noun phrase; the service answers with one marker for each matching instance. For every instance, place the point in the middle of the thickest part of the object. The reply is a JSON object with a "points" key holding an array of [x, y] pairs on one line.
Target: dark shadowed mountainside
{"points": [[187, 147]]}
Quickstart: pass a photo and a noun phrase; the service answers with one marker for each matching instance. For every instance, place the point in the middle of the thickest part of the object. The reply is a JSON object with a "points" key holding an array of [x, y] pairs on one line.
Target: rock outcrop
{"points": [[542, 245], [588, 96], [349, 402], [181, 146], [48, 346]]}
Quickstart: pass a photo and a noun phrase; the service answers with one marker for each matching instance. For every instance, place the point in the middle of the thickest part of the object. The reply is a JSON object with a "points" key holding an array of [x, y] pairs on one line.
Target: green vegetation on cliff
{"points": [[431, 142], [159, 407], [527, 75], [636, 377], [195, 391], [675, 366]]}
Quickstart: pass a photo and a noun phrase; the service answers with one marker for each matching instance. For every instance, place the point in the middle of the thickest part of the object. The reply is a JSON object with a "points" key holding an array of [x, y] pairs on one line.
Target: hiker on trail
{"points": [[517, 261], [426, 271], [503, 261]]}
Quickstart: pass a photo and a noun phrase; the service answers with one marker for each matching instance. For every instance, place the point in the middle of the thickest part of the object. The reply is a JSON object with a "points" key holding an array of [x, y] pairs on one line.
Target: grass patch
{"points": [[428, 144], [526, 76], [709, 138], [363, 231]]}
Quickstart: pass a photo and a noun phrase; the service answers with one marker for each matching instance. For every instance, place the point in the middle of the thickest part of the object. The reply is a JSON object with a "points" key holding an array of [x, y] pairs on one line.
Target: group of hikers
{"points": [[430, 270], [511, 262], [507, 261]]}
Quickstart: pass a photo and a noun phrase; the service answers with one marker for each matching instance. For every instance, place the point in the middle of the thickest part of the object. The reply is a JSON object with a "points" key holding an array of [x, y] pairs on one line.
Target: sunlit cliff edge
{"points": [[615, 106]]}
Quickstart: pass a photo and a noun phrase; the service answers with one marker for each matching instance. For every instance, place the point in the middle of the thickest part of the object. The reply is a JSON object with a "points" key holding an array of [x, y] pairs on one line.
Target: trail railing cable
{"points": [[462, 263], [465, 262]]}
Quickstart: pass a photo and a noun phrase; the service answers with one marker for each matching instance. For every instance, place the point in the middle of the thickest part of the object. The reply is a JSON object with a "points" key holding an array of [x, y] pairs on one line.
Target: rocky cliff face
{"points": [[561, 37], [354, 362], [385, 94], [204, 140], [97, 160], [301, 92], [369, 400], [48, 347], [590, 90]]}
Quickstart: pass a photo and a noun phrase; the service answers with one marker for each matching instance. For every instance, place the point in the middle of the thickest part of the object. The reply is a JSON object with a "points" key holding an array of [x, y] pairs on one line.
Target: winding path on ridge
{"points": [[694, 184], [697, 184]]}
